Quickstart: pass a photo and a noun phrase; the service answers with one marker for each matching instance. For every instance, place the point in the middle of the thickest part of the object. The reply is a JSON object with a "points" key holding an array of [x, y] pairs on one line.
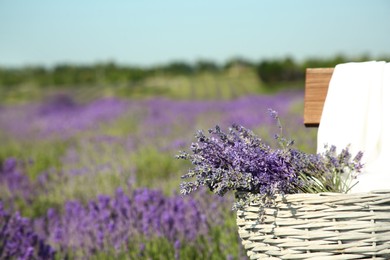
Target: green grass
{"points": [[158, 169], [37, 155], [206, 85]]}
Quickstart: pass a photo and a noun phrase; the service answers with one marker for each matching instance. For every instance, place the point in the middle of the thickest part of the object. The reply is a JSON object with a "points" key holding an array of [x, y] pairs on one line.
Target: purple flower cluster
{"points": [[244, 110], [238, 161], [14, 181], [106, 224], [18, 239], [329, 171], [60, 116], [241, 161], [67, 119], [116, 222]]}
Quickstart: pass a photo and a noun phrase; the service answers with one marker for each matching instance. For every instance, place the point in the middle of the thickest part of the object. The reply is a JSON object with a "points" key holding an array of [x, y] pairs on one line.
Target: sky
{"points": [[151, 32]]}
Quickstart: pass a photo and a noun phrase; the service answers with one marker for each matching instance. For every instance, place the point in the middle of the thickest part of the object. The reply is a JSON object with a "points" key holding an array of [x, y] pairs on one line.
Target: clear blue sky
{"points": [[147, 32]]}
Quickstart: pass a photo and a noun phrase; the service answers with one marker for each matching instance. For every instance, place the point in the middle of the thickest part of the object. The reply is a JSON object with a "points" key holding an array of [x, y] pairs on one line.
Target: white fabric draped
{"points": [[357, 113]]}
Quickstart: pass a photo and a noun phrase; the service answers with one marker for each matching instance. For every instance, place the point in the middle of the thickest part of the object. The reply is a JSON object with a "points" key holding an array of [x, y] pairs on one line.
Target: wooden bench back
{"points": [[316, 87]]}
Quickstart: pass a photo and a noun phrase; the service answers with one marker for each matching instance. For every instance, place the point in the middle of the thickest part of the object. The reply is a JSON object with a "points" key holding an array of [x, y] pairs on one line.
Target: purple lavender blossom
{"points": [[18, 240], [60, 116], [113, 222], [241, 161], [13, 180], [75, 118], [244, 110]]}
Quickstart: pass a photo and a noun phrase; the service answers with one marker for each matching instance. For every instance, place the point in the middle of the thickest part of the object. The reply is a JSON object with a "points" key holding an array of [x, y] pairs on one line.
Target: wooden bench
{"points": [[316, 88]]}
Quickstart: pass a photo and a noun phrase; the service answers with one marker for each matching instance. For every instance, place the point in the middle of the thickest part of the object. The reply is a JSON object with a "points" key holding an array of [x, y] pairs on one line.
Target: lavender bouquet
{"points": [[241, 162]]}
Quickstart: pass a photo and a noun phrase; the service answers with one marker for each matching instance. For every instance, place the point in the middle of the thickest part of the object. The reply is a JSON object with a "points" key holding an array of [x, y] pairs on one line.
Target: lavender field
{"points": [[99, 179]]}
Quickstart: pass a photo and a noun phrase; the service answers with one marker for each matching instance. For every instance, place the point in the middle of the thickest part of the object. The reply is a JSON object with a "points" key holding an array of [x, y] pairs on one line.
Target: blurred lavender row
{"points": [[62, 116], [59, 115], [107, 223], [116, 222], [18, 239]]}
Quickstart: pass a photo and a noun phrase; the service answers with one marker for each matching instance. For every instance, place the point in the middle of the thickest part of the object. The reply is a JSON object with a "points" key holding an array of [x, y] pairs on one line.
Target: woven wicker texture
{"points": [[319, 226]]}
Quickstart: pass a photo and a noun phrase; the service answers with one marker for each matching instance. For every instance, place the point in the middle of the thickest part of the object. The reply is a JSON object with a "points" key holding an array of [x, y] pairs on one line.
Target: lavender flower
{"points": [[60, 116], [13, 180], [114, 222], [18, 240], [237, 161], [241, 161]]}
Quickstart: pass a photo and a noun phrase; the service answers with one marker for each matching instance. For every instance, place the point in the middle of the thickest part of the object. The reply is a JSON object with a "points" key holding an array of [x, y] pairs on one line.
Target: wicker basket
{"points": [[319, 226]]}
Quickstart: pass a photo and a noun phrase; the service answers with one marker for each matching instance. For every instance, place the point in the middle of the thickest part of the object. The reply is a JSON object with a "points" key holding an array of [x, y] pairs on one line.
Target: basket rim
{"points": [[375, 196], [357, 194]]}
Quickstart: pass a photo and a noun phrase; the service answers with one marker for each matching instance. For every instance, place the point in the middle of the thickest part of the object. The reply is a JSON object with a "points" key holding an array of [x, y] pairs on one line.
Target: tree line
{"points": [[269, 71]]}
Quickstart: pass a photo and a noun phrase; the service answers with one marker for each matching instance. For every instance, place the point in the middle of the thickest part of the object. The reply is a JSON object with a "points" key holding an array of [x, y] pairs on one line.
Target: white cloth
{"points": [[357, 113]]}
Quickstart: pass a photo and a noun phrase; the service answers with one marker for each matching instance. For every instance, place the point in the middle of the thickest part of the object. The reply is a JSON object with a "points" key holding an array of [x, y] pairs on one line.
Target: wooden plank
{"points": [[316, 88]]}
